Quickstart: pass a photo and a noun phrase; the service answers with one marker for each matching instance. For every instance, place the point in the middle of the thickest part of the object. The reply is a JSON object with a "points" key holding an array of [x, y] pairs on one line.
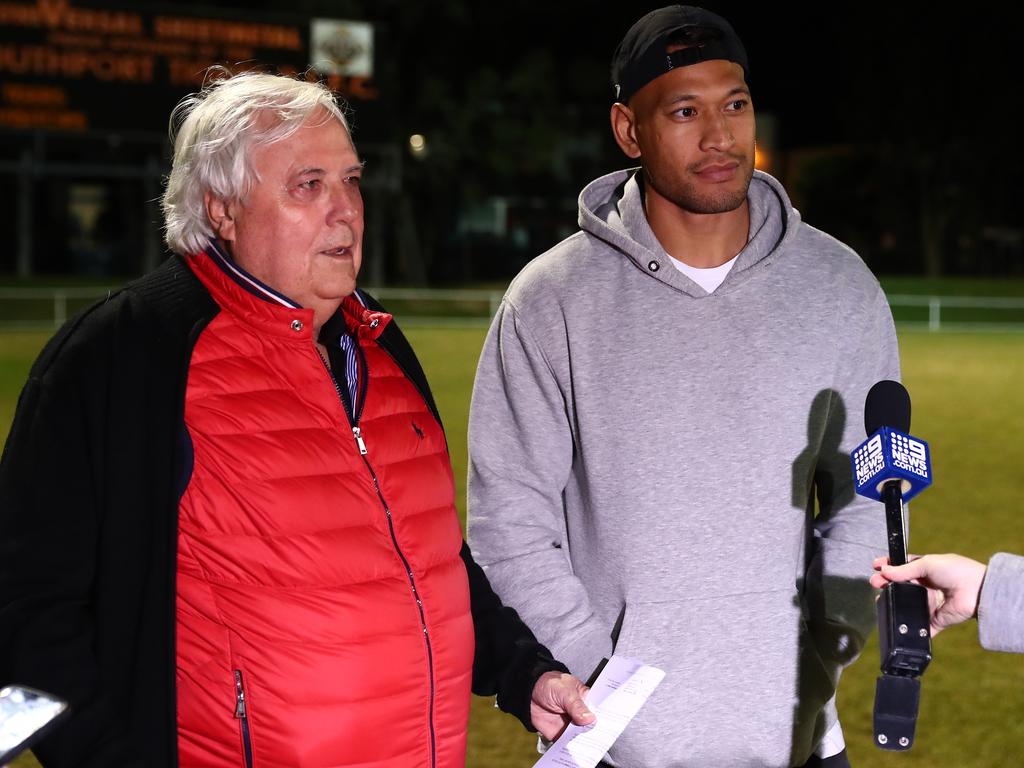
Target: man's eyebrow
{"points": [[738, 90], [322, 172]]}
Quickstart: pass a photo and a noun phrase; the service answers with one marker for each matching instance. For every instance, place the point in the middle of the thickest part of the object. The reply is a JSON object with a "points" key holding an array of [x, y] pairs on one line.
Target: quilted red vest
{"points": [[322, 608]]}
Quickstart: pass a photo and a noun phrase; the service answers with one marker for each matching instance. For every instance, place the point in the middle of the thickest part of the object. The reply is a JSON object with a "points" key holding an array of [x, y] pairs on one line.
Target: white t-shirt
{"points": [[708, 279]]}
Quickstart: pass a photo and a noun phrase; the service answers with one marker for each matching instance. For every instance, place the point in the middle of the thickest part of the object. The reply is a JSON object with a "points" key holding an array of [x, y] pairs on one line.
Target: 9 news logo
{"points": [[909, 454], [869, 459]]}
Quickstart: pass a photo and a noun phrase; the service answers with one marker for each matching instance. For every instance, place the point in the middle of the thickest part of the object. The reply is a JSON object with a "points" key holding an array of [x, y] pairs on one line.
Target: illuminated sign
{"points": [[341, 47], [72, 67]]}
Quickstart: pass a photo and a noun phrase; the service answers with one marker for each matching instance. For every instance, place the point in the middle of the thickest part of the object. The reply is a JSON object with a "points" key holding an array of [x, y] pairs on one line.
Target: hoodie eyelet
{"points": [[296, 325], [653, 266], [375, 322]]}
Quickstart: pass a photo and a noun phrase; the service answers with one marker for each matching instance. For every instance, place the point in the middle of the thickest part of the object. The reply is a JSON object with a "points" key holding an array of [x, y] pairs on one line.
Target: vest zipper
{"points": [[243, 718], [354, 414]]}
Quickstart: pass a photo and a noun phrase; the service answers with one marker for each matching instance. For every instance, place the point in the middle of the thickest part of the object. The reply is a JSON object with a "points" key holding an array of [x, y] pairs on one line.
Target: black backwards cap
{"points": [[641, 55]]}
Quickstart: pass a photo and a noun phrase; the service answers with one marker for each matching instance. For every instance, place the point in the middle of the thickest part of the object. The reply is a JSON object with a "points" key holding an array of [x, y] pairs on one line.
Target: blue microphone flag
{"points": [[891, 455]]}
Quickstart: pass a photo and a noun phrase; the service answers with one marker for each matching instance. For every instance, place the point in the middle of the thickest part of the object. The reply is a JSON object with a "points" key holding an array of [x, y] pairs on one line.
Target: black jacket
{"points": [[88, 529]]}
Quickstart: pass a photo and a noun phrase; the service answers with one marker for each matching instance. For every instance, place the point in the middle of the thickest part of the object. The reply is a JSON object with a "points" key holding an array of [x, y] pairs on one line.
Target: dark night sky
{"points": [[813, 64], [825, 68], [830, 72]]}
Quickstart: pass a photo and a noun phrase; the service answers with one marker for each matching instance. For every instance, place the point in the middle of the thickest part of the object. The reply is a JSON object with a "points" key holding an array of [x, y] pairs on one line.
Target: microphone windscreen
{"points": [[887, 405]]}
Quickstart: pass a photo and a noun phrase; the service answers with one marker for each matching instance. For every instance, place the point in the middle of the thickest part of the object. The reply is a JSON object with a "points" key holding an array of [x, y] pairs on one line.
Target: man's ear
{"points": [[624, 129], [220, 214]]}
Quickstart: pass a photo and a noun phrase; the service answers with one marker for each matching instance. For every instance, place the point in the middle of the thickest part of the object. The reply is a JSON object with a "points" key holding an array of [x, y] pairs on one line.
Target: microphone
{"points": [[891, 466]]}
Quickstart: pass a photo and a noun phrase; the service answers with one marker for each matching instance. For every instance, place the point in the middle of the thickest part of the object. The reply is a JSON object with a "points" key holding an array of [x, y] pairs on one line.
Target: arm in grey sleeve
{"points": [[850, 529], [521, 451], [1001, 607]]}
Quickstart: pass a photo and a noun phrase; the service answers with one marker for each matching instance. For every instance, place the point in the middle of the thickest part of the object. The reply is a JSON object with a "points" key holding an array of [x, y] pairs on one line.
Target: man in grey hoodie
{"points": [[661, 425]]}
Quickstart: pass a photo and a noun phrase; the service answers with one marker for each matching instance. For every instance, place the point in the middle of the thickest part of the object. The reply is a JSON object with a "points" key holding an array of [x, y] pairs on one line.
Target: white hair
{"points": [[213, 132]]}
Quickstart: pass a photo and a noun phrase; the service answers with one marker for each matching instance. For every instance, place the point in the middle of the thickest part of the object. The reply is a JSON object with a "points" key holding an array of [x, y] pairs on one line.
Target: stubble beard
{"points": [[688, 197]]}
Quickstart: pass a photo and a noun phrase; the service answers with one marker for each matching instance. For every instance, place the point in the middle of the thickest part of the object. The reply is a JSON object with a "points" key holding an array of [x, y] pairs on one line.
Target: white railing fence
{"points": [[46, 308], [959, 313]]}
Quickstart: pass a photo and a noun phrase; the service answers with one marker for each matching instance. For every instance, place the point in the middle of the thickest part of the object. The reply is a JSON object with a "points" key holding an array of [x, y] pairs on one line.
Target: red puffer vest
{"points": [[322, 608]]}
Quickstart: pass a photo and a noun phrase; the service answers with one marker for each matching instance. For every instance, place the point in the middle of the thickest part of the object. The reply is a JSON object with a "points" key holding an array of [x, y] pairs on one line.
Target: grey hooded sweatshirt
{"points": [[665, 474], [1001, 605]]}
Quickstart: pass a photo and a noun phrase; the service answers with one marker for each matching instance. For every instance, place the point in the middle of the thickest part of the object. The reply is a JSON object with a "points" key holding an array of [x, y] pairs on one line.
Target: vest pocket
{"points": [[243, 718]]}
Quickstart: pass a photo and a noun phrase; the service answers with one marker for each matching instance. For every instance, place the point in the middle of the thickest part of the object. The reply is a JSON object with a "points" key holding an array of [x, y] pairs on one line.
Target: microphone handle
{"points": [[895, 521]]}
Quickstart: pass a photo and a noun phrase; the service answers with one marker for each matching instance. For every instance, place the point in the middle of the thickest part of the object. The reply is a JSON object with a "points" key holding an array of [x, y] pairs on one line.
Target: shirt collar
{"points": [[219, 256]]}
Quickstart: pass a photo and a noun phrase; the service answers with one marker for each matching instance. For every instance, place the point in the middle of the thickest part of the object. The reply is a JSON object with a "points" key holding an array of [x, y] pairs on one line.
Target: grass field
{"points": [[968, 403]]}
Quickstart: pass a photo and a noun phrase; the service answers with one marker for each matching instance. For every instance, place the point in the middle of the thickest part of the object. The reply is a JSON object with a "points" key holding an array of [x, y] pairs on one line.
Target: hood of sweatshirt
{"points": [[611, 208]]}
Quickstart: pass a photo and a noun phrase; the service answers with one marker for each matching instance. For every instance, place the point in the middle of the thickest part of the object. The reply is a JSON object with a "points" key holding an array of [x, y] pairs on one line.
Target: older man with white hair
{"points": [[228, 533]]}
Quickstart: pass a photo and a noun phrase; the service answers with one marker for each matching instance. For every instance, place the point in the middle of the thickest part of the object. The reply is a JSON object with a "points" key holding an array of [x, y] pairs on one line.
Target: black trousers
{"points": [[836, 761]]}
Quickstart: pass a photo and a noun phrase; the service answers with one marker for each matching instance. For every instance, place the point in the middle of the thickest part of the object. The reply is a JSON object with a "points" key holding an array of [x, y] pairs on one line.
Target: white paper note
{"points": [[616, 696]]}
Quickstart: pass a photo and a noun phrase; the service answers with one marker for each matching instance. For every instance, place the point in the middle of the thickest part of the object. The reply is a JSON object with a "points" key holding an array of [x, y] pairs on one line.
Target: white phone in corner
{"points": [[25, 716]]}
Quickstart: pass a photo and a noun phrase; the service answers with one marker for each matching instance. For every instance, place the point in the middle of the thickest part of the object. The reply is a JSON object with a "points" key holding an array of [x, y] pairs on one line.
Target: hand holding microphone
{"points": [[953, 583]]}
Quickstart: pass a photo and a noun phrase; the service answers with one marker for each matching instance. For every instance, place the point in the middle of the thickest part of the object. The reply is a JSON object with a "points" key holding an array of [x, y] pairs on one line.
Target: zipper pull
{"points": [[359, 440], [239, 697]]}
